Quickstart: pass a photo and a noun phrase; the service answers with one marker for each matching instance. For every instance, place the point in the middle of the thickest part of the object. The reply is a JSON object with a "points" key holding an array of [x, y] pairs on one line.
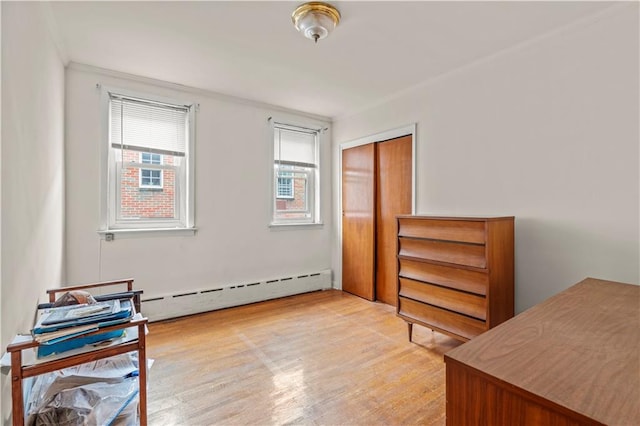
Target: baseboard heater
{"points": [[174, 305]]}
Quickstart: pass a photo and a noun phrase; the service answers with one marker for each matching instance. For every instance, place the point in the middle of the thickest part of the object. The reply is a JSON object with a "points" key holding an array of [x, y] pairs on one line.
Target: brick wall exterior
{"points": [[136, 202], [295, 203]]}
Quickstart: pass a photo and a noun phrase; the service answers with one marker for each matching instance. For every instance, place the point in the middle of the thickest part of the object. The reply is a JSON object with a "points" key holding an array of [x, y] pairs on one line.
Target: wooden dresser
{"points": [[571, 360], [455, 274]]}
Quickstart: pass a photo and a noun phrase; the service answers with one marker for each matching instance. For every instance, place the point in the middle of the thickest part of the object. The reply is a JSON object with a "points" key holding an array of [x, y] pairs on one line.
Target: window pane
{"points": [[145, 178], [146, 193]]}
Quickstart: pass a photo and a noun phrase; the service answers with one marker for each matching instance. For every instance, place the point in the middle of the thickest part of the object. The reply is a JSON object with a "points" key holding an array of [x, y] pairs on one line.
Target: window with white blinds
{"points": [[142, 125], [149, 169], [295, 146], [295, 175]]}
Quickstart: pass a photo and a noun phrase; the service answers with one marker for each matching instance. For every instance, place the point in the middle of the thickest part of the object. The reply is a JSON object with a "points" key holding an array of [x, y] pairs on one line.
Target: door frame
{"points": [[398, 132]]}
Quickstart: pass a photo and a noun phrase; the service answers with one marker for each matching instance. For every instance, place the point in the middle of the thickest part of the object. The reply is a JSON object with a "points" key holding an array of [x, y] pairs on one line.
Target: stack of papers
{"points": [[60, 329]]}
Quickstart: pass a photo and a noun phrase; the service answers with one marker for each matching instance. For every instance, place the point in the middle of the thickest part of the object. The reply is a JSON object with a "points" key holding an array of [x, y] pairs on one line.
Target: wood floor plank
{"points": [[322, 358]]}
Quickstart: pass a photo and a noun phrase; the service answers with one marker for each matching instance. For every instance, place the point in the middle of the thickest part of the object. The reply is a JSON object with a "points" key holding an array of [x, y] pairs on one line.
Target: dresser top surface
{"points": [[465, 218], [579, 349]]}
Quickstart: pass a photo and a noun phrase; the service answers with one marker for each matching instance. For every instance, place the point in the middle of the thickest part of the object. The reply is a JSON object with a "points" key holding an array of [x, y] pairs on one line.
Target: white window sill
{"points": [[284, 226], [112, 234]]}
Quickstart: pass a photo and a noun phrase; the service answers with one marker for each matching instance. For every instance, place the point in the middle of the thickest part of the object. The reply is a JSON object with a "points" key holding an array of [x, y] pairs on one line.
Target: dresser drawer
{"points": [[453, 300], [440, 318], [439, 229], [442, 251], [460, 279]]}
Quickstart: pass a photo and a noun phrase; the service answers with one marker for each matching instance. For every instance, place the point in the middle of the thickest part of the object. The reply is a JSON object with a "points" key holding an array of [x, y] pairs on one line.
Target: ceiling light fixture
{"points": [[315, 19]]}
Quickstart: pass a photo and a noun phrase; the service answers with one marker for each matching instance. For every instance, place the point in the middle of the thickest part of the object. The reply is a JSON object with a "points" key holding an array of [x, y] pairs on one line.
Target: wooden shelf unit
{"points": [[21, 370], [455, 274]]}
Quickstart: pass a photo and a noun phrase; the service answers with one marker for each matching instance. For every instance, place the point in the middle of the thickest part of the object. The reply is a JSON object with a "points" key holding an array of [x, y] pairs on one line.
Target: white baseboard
{"points": [[157, 308]]}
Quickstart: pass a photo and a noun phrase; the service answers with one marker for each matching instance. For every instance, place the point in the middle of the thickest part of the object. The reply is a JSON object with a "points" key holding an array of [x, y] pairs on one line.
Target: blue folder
{"points": [[77, 340], [66, 345]]}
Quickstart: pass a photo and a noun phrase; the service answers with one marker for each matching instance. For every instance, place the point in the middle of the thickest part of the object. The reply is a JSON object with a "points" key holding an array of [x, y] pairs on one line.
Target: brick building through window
{"points": [[141, 198]]}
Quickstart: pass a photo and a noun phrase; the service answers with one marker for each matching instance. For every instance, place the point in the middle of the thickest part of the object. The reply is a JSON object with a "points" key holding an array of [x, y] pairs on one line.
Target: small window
{"points": [[285, 185], [150, 178], [150, 158], [149, 169], [295, 175]]}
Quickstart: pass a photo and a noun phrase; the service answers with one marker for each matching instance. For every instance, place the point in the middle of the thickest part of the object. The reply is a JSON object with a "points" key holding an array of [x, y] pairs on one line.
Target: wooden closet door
{"points": [[393, 197], [358, 220]]}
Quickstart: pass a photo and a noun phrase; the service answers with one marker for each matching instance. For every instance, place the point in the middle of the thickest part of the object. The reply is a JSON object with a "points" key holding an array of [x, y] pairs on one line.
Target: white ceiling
{"points": [[251, 49]]}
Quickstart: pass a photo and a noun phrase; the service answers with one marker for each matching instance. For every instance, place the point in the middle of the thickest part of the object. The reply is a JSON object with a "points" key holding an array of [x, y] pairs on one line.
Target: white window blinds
{"points": [[294, 147], [146, 126]]}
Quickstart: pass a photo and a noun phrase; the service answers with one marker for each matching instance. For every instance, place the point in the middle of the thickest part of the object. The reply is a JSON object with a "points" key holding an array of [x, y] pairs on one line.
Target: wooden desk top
{"points": [[579, 349]]}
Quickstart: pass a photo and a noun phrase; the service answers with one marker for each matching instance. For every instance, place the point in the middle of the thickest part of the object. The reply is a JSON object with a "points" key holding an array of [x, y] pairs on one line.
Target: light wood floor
{"points": [[323, 358]]}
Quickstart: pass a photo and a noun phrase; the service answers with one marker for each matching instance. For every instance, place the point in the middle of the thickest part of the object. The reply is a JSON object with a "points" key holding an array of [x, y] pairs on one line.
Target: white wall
{"points": [[32, 170], [547, 132], [233, 243], [2, 384]]}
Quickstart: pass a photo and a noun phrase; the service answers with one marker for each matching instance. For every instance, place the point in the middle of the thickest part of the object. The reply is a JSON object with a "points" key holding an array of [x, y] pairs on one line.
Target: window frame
{"points": [[185, 198], [313, 174]]}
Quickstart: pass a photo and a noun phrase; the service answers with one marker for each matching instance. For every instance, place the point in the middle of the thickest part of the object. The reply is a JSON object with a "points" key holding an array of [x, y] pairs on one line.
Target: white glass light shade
{"points": [[315, 20], [315, 26]]}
